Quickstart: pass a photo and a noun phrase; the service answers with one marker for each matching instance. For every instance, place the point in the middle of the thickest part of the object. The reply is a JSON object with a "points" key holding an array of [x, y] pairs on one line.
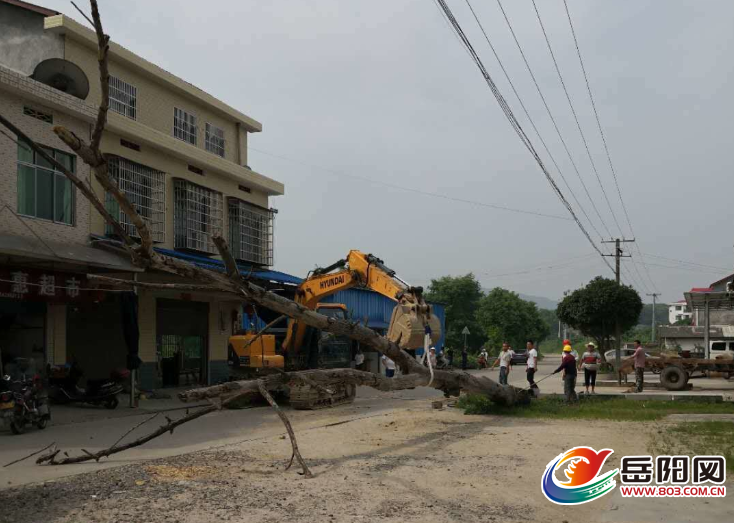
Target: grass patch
{"points": [[615, 409], [697, 438]]}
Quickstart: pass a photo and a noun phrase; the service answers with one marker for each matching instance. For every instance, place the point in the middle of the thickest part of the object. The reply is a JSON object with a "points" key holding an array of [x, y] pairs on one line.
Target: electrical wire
{"points": [[687, 262], [527, 115], [575, 116], [553, 120], [412, 190], [515, 124], [604, 140]]}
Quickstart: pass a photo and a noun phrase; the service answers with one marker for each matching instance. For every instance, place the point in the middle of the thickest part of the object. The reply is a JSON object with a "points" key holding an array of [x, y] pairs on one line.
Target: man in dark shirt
{"points": [[568, 366]]}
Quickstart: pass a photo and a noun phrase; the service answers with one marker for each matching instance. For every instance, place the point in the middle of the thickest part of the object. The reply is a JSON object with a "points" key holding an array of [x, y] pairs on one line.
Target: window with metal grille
{"points": [[43, 191], [145, 187], [184, 126], [215, 139], [197, 216], [123, 98], [38, 115], [251, 232]]}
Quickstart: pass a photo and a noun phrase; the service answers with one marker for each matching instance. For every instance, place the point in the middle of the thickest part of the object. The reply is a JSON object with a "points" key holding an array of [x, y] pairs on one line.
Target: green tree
{"points": [[594, 309], [551, 319], [460, 295], [661, 314], [504, 316]]}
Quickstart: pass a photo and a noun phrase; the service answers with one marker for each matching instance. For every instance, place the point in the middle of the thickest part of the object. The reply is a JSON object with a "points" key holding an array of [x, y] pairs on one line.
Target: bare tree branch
{"points": [[183, 287], [29, 455], [103, 42], [288, 427]]}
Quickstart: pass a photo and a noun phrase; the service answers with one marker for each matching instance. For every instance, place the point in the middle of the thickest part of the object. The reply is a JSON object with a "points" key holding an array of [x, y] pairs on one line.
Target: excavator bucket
{"points": [[408, 326]]}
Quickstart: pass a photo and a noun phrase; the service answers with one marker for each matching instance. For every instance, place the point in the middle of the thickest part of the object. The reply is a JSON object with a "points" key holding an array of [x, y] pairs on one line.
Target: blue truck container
{"points": [[376, 309]]}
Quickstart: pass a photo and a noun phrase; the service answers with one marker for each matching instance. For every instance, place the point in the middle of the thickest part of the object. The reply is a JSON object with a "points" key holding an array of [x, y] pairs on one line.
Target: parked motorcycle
{"points": [[63, 387], [24, 402]]}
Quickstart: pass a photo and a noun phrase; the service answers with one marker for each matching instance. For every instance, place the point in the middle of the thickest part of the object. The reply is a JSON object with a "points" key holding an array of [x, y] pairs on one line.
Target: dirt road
{"points": [[408, 464]]}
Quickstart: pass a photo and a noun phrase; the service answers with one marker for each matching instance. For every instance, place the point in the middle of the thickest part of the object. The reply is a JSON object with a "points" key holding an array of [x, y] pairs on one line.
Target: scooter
{"points": [[24, 402], [63, 387]]}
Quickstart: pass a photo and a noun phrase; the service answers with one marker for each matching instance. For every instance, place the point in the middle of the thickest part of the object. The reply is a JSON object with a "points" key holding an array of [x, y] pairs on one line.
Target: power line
{"points": [[604, 140], [514, 123], [573, 262], [575, 117], [527, 115], [685, 262], [409, 189], [550, 114]]}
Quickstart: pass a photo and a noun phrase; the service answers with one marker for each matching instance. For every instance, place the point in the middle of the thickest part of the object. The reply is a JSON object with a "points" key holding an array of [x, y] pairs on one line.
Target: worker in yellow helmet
{"points": [[568, 366]]}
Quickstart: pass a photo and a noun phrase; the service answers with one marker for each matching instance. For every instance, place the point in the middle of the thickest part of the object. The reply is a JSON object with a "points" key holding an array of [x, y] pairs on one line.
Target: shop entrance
{"points": [[181, 335], [22, 333]]}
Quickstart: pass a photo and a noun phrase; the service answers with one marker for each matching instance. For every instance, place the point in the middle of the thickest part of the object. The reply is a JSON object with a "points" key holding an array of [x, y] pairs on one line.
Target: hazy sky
{"points": [[364, 93]]}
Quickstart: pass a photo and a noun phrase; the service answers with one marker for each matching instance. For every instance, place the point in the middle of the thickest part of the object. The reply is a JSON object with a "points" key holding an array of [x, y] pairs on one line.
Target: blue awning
{"points": [[246, 270]]}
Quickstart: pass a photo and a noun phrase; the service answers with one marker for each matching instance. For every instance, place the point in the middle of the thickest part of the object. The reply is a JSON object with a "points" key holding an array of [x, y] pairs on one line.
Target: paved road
{"points": [[94, 429], [218, 428]]}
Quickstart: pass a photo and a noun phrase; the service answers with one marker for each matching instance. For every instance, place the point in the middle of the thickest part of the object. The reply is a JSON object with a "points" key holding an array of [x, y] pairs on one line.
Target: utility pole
{"points": [[618, 255], [654, 297]]}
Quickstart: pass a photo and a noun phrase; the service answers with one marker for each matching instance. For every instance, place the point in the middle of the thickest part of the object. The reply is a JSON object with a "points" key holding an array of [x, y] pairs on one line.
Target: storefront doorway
{"points": [[181, 336], [22, 333]]}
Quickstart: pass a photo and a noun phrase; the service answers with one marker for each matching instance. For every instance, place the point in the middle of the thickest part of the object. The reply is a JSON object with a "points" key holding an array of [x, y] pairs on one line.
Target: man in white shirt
{"points": [[389, 366], [505, 362], [532, 364]]}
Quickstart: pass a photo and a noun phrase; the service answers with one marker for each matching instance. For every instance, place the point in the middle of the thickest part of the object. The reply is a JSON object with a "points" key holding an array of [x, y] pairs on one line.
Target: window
{"points": [[123, 98], [146, 189], [678, 308], [38, 115], [184, 126], [214, 139], [251, 232], [198, 216], [43, 191], [718, 345]]}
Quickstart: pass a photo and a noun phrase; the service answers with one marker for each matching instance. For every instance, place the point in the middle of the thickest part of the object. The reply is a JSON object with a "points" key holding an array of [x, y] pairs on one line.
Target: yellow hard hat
{"points": [[567, 348]]}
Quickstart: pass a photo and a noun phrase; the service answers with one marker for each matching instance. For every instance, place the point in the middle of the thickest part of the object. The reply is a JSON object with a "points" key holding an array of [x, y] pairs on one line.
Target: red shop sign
{"points": [[50, 286]]}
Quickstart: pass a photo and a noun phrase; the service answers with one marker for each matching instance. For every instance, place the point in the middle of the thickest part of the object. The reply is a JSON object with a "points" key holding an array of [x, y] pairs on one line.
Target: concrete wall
{"points": [[11, 106], [174, 168], [155, 102], [23, 41]]}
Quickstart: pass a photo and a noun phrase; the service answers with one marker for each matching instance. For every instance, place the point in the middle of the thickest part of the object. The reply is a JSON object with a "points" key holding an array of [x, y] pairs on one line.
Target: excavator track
{"points": [[305, 397]]}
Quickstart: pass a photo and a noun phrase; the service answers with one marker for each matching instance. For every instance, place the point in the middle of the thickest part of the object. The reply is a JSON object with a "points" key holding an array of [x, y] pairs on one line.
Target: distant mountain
{"points": [[540, 301]]}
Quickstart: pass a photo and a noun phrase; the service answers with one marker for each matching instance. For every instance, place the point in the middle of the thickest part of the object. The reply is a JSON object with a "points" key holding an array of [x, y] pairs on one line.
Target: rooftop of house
{"points": [[723, 280], [59, 23]]}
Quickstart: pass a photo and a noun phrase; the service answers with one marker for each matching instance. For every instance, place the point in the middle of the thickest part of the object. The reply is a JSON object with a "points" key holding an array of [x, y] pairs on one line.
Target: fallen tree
{"points": [[143, 255]]}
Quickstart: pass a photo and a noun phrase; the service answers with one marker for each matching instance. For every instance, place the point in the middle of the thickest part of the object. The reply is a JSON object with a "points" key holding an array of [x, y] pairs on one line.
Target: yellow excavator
{"points": [[303, 347]]}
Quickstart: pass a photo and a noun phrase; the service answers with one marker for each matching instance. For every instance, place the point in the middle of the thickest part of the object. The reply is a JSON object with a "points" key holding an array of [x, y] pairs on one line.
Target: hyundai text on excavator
{"points": [[300, 347]]}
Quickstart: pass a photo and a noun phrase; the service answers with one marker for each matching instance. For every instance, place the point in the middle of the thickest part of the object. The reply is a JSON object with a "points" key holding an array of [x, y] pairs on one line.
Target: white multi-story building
{"points": [[678, 311]]}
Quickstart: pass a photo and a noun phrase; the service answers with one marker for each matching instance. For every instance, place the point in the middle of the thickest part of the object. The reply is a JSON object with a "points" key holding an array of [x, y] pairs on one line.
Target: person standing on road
{"points": [[532, 364], [464, 356], [505, 362], [389, 366], [450, 354], [359, 359], [639, 357], [483, 359], [590, 363], [568, 366]]}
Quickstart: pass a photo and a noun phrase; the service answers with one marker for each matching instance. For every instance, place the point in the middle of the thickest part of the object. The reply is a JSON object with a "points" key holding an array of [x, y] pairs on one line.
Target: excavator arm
{"points": [[411, 318]]}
